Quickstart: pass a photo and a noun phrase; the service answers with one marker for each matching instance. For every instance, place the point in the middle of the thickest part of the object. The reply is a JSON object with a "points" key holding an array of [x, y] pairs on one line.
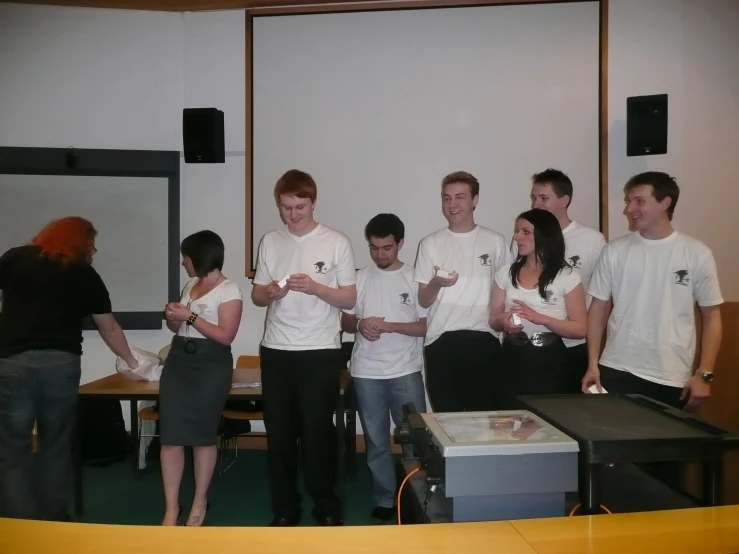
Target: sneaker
{"points": [[381, 515]]}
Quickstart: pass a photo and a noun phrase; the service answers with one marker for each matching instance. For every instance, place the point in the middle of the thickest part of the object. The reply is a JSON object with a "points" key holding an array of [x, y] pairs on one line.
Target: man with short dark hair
{"points": [[387, 360], [455, 268], [552, 190], [654, 276], [305, 276]]}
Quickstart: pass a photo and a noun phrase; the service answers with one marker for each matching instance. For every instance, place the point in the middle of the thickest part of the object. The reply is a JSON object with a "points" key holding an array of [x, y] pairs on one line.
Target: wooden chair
{"points": [[149, 413], [245, 362]]}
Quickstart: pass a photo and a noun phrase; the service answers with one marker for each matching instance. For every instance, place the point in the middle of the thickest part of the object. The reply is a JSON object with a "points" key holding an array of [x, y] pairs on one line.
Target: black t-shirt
{"points": [[45, 301]]}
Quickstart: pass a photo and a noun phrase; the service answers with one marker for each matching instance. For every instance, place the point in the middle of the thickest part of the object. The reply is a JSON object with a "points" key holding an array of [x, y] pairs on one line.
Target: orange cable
{"points": [[400, 491], [602, 507]]}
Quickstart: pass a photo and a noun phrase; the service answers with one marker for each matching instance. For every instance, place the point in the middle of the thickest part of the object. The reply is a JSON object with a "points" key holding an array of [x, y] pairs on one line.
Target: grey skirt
{"points": [[193, 390]]}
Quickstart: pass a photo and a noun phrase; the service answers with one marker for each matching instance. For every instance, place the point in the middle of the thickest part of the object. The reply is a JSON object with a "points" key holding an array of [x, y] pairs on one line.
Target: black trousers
{"points": [[578, 366], [462, 371], [533, 370], [623, 382], [299, 391]]}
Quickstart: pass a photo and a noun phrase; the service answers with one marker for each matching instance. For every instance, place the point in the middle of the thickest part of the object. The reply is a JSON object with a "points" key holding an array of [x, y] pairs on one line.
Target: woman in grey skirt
{"points": [[196, 379]]}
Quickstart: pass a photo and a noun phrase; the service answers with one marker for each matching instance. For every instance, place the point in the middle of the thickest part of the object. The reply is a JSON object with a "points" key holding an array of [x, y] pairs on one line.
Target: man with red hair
{"points": [[48, 287]]}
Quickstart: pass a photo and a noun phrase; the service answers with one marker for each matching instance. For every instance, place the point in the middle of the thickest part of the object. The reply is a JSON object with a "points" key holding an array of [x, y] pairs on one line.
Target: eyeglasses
{"points": [[94, 250]]}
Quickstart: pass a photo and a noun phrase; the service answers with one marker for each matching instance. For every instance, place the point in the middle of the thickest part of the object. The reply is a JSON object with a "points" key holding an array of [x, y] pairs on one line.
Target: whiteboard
{"points": [[379, 106], [129, 213]]}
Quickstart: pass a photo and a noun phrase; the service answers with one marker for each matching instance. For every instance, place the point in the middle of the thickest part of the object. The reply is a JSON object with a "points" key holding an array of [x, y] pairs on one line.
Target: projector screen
{"points": [[132, 199], [379, 106], [129, 213]]}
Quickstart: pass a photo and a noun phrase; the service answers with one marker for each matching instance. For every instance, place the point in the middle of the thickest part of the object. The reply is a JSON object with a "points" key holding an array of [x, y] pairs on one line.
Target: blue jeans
{"points": [[37, 386], [378, 400]]}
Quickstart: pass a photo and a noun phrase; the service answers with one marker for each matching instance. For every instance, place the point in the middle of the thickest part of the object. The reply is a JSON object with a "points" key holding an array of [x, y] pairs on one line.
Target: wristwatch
{"points": [[707, 376]]}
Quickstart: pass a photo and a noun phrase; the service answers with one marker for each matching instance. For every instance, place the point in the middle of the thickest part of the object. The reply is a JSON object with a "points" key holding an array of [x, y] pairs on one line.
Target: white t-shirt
{"points": [[301, 321], [206, 307], [554, 303], [394, 296], [654, 285], [475, 256], [582, 249]]}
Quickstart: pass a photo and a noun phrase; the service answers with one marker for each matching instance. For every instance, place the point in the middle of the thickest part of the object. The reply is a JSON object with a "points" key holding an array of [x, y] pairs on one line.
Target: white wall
{"points": [[687, 49], [119, 79]]}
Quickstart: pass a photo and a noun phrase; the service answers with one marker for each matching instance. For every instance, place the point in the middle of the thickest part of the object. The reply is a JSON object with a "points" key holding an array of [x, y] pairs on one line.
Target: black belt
{"points": [[536, 339]]}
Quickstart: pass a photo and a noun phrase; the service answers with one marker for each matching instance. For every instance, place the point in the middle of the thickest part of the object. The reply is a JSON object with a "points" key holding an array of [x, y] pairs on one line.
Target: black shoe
{"points": [[330, 521], [285, 521], [382, 515]]}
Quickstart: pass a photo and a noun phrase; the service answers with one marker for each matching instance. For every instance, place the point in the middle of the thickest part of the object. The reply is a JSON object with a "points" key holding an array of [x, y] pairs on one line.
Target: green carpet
{"points": [[239, 497]]}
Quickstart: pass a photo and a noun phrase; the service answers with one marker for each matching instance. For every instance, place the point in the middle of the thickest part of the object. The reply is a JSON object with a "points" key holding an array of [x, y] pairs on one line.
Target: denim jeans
{"points": [[378, 400], [37, 386]]}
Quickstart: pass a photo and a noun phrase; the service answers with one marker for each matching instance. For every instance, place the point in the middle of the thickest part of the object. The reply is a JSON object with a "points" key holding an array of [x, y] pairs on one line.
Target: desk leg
{"points": [[713, 482], [589, 488], [340, 447], [134, 434], [79, 499]]}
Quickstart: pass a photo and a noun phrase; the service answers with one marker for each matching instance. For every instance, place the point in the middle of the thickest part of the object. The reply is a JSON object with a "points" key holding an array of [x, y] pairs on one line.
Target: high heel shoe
{"points": [[205, 512]]}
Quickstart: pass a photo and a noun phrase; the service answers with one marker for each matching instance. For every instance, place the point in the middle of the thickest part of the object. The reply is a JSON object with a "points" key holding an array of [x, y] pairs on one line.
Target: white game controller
{"points": [[515, 319], [593, 389], [444, 274], [282, 282]]}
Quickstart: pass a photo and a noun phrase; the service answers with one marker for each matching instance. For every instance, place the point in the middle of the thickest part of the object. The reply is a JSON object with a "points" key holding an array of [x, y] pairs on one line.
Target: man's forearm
{"points": [[349, 323], [596, 324], [427, 295], [260, 296], [711, 332], [116, 341], [342, 298], [415, 329]]}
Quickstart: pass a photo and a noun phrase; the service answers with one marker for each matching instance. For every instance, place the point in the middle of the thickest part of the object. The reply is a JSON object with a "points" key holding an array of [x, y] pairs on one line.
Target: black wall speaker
{"points": [[203, 135], [646, 125]]}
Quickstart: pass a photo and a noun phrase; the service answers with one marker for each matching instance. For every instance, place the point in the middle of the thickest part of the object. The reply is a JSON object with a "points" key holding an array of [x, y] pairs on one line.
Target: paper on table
{"points": [[245, 385]]}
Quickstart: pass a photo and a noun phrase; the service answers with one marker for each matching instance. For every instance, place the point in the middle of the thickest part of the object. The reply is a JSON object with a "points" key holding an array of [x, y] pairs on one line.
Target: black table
{"points": [[614, 428]]}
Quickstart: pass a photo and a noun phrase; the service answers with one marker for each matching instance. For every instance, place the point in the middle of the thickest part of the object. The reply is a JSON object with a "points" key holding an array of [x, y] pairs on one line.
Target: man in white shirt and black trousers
{"points": [[387, 360], [655, 276], [305, 276], [552, 190], [454, 270]]}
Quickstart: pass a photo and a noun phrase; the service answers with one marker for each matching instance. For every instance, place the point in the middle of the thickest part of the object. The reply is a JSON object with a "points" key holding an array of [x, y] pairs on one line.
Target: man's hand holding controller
{"points": [[445, 278]]}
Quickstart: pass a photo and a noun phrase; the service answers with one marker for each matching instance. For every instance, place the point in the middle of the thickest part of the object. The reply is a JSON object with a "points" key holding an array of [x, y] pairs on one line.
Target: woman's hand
{"points": [[528, 313], [174, 311], [508, 325]]}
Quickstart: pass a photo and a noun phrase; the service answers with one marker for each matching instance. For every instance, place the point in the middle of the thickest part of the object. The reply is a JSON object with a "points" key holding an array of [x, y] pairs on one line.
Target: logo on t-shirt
{"points": [[575, 262], [321, 267], [484, 259], [405, 299], [681, 277], [549, 300]]}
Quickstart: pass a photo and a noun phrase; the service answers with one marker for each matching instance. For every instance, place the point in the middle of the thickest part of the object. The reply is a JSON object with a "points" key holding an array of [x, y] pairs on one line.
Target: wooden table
{"points": [[120, 387], [701, 530]]}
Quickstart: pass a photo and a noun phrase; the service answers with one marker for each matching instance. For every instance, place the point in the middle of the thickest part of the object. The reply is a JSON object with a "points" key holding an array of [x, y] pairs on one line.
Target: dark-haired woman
{"points": [[48, 287], [197, 374], [537, 301]]}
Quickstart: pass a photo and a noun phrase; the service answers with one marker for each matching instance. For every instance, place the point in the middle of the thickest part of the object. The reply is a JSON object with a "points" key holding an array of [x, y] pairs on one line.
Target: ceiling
{"points": [[204, 5]]}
